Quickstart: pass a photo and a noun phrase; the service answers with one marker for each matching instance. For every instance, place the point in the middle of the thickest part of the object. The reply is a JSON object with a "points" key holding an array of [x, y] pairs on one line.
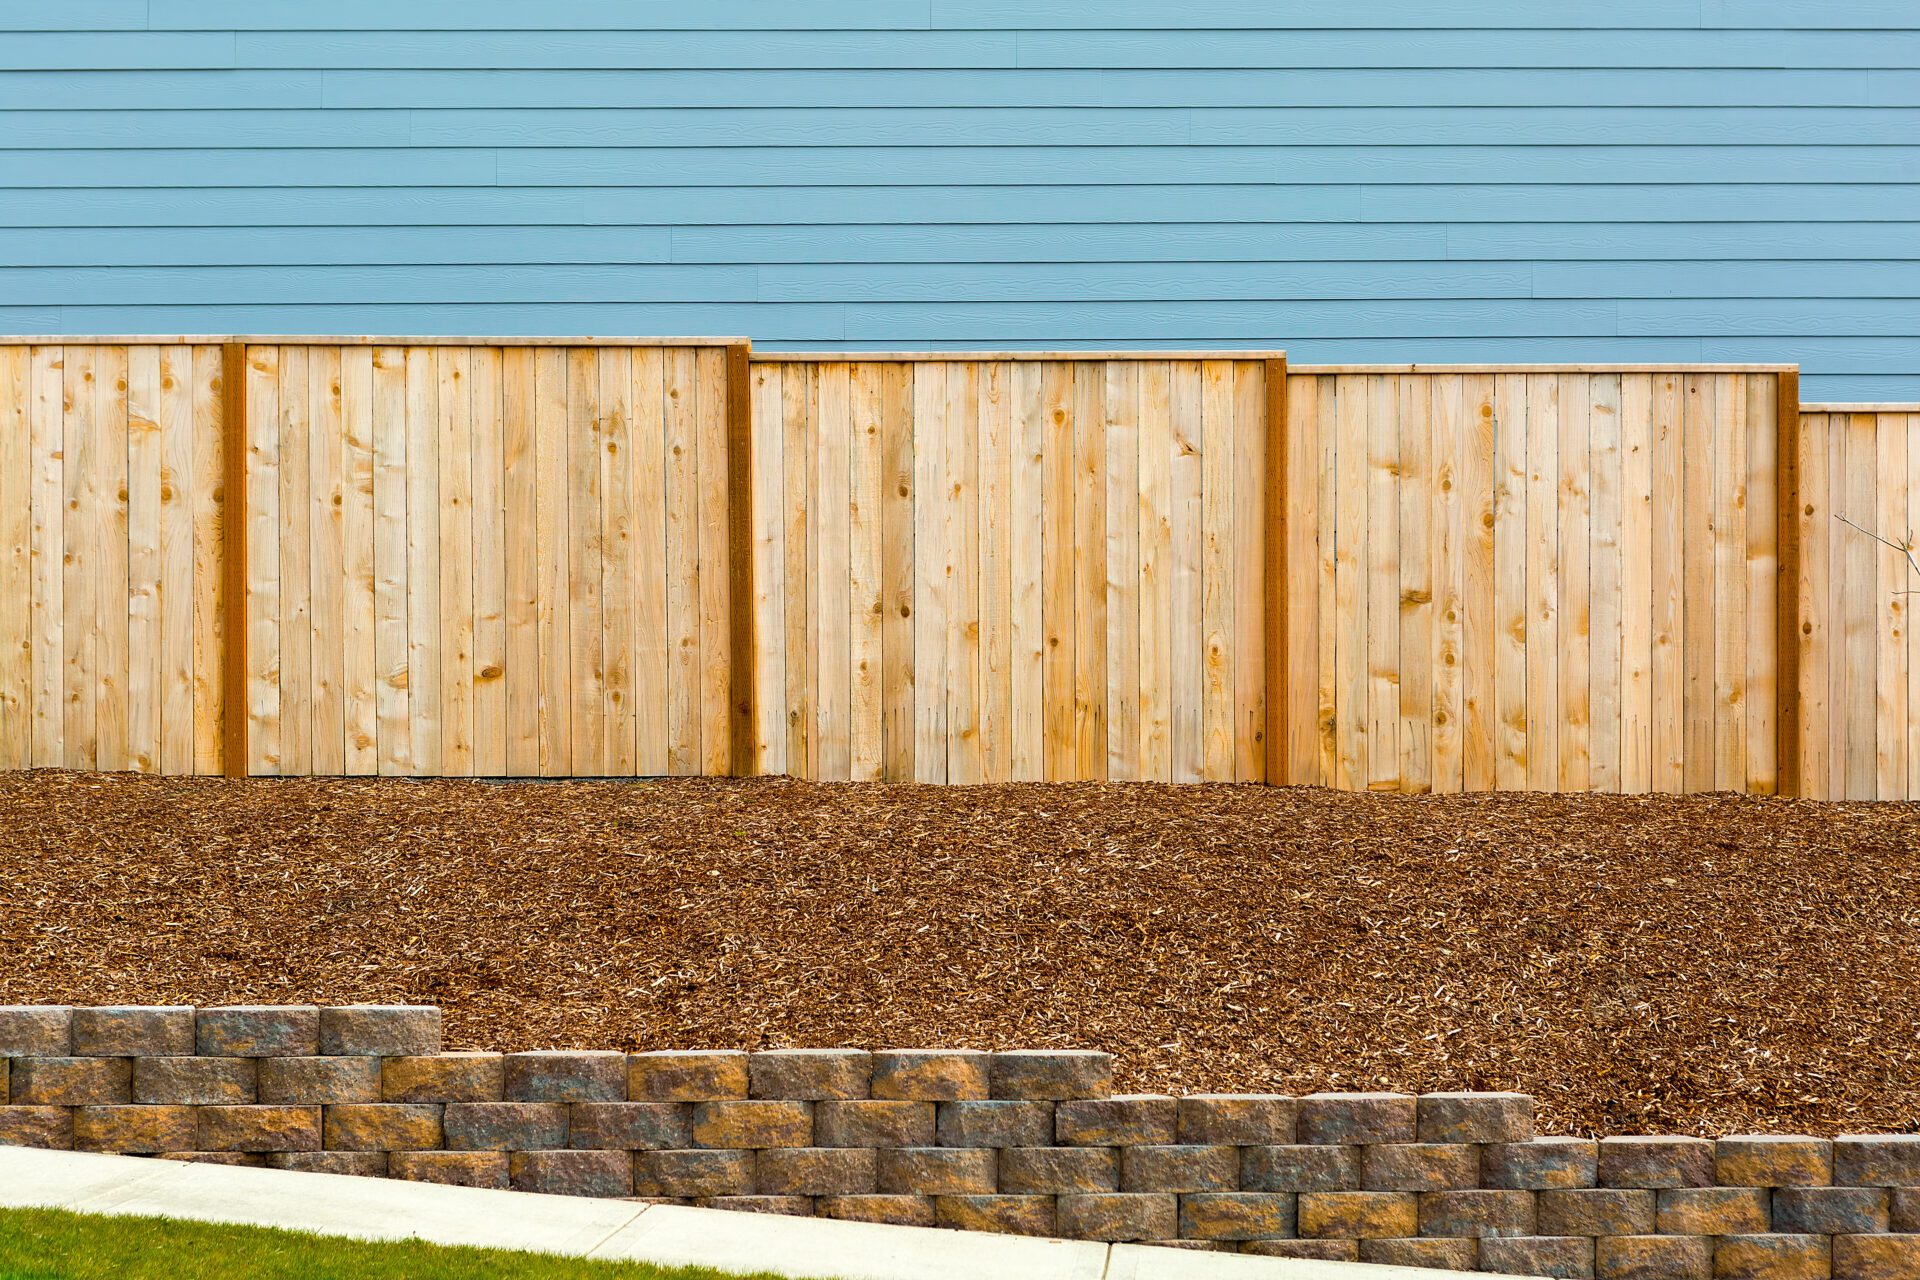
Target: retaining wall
{"points": [[1027, 1141]]}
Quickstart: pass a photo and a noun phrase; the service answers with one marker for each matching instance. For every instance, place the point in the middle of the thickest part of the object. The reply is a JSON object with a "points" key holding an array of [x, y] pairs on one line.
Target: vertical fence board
{"points": [[1155, 518], [1026, 522], [393, 651], [866, 467], [326, 502], [16, 554], [296, 580], [145, 645], [995, 585], [620, 586], [1122, 584], [652, 634], [1415, 479], [359, 571], [50, 490], [490, 538], [1636, 582]]}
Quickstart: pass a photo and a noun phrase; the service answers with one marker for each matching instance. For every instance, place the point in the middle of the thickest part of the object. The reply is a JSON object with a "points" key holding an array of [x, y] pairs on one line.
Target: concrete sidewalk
{"points": [[381, 1209]]}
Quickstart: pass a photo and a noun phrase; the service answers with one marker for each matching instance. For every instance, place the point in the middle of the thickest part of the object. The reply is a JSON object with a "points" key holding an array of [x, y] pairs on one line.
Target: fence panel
{"points": [[1860, 664], [1012, 566], [1557, 580]]}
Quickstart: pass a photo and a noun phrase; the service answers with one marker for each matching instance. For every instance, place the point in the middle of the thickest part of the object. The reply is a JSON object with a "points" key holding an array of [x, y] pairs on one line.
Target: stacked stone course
{"points": [[1032, 1142]]}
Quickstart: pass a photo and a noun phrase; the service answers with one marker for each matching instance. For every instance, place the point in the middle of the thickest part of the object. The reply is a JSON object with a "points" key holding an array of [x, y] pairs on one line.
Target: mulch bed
{"points": [[1674, 964]]}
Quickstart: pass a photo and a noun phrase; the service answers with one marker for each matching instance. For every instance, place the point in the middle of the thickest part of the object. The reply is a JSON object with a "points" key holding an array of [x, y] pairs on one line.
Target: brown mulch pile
{"points": [[1700, 964]]}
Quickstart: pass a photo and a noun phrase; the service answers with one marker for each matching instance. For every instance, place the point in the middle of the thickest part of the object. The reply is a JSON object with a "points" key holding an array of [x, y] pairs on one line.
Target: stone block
{"points": [[188, 1081], [897, 1210], [1132, 1120], [1544, 1164], [1558, 1257], [556, 1075], [384, 1126], [994, 1124], [319, 1080], [1475, 1117], [1772, 1257], [1238, 1119], [1831, 1211], [1656, 1162], [133, 1031], [1436, 1253], [70, 1082], [631, 1126], [1050, 1075], [1052, 1171], [1007, 1215], [1179, 1169], [942, 1171], [1420, 1166], [234, 1159], [1238, 1215], [1598, 1211], [810, 1075], [1653, 1258], [687, 1075], [363, 1164], [1318, 1250], [450, 1168], [48, 1127], [134, 1130], [1477, 1213], [380, 1030], [1349, 1119], [1877, 1160], [931, 1075], [505, 1126], [1905, 1209], [258, 1031], [692, 1173], [1878, 1257], [259, 1128], [571, 1173], [444, 1077], [36, 1031], [784, 1206], [1300, 1168], [1713, 1211], [1112, 1215], [1770, 1160], [873, 1124], [6, 1081], [815, 1171], [1359, 1215], [760, 1123]]}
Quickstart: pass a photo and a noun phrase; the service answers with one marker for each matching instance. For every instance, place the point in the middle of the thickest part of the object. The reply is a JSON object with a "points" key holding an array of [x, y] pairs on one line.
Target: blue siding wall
{"points": [[1507, 180]]}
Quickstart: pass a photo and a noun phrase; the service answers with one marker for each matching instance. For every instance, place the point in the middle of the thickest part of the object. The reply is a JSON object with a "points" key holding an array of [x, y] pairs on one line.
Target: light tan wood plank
{"points": [[1122, 500], [684, 756], [1818, 750], [797, 399], [1303, 590], [1059, 525], [209, 503], [1156, 570], [586, 675], [1249, 570], [995, 467], [263, 710], [1729, 582], [1382, 578], [1217, 474], [716, 619], [1481, 622], [1636, 556], [359, 573], [1328, 435], [296, 581], [326, 529], [1699, 599], [1416, 483], [1027, 570], [1451, 428], [1668, 662], [620, 583], [1544, 421], [111, 593], [521, 549], [1512, 539], [866, 443], [490, 537], [1762, 694], [143, 622], [653, 635], [1186, 654], [769, 570], [1352, 555], [425, 639], [831, 608], [931, 559], [1573, 610], [1863, 607], [1890, 520], [16, 559], [961, 514], [1909, 424], [50, 491], [392, 648]]}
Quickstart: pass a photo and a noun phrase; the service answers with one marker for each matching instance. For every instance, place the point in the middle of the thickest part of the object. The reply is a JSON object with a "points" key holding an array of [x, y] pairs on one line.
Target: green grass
{"points": [[45, 1244]]}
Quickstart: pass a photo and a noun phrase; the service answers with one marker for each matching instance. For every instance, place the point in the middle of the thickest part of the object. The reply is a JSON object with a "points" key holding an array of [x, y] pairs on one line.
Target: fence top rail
{"points": [[909, 357], [1308, 369], [347, 340], [1861, 408]]}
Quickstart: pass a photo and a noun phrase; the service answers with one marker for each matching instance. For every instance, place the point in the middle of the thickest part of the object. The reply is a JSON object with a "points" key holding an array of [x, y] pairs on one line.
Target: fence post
{"points": [[1276, 573], [1786, 595], [741, 681], [233, 560]]}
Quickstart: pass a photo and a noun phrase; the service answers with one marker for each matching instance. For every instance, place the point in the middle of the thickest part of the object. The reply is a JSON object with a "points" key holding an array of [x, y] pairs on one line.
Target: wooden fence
{"points": [[1859, 664], [588, 557]]}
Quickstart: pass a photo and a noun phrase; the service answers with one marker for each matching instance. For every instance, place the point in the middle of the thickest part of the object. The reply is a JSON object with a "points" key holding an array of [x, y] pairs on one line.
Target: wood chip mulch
{"points": [[1702, 964]]}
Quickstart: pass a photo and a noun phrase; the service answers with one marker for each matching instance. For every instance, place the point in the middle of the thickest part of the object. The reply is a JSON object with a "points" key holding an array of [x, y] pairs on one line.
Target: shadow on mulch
{"points": [[1693, 964]]}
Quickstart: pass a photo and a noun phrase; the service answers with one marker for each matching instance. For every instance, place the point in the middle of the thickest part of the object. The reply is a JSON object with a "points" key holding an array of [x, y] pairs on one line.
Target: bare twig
{"points": [[1905, 550]]}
